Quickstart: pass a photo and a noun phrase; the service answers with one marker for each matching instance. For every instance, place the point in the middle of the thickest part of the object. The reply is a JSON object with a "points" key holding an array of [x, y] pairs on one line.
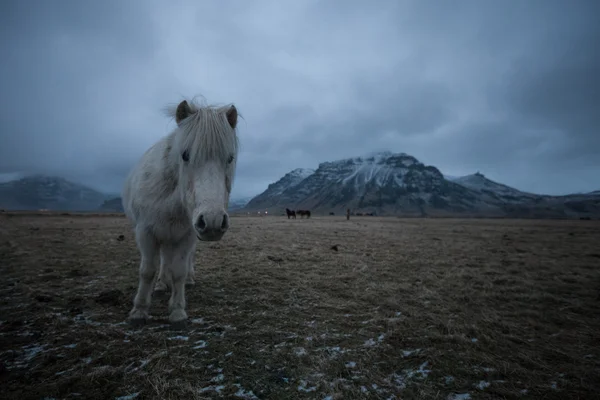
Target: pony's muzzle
{"points": [[211, 226]]}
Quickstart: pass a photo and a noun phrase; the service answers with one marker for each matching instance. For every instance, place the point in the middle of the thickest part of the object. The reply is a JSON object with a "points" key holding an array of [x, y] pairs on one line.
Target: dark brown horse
{"points": [[302, 213], [290, 213]]}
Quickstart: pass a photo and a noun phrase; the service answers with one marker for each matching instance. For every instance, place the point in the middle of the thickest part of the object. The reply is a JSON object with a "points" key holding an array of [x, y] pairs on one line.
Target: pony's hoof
{"points": [[138, 318], [177, 315], [190, 283], [179, 325]]}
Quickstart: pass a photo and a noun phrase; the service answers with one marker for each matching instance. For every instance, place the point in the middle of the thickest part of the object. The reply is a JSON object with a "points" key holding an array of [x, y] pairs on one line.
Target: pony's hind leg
{"points": [[191, 274], [162, 282], [148, 248], [176, 259]]}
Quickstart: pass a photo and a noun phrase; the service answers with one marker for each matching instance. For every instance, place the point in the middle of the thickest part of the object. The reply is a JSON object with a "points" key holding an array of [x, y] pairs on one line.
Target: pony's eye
{"points": [[185, 156], [230, 159]]}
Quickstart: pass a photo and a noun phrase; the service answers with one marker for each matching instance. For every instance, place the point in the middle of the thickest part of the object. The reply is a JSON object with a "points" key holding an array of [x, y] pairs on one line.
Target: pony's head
{"points": [[205, 147]]}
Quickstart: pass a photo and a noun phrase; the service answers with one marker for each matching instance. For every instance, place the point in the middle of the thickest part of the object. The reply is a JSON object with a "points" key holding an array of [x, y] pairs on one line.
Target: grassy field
{"points": [[401, 308]]}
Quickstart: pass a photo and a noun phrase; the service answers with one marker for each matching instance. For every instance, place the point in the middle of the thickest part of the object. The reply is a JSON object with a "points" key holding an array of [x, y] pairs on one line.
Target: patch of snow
{"points": [[300, 351], [350, 364], [303, 387], [448, 379], [198, 321], [70, 346], [210, 388], [128, 397], [229, 354], [459, 396], [200, 344], [407, 353], [244, 394], [218, 378], [400, 380], [482, 385], [474, 340], [178, 337]]}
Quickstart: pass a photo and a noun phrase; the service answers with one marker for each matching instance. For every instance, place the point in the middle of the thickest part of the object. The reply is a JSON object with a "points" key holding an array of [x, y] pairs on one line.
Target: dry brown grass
{"points": [[410, 308]]}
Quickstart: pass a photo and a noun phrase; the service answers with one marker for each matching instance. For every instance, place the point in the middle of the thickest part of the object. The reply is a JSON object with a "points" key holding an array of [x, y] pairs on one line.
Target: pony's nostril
{"points": [[201, 224], [225, 223]]}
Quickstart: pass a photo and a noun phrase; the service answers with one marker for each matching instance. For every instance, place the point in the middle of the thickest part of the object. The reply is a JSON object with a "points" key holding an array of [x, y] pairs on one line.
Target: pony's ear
{"points": [[232, 116], [183, 111]]}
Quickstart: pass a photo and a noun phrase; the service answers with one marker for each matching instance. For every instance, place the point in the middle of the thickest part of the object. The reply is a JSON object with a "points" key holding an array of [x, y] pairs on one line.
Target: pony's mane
{"points": [[206, 133]]}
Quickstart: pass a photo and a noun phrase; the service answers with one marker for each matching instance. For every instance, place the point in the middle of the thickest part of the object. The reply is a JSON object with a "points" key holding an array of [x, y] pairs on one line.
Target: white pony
{"points": [[179, 191]]}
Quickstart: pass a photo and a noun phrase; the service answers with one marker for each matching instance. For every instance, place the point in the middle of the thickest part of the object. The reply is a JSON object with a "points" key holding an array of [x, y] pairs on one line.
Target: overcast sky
{"points": [[508, 88]]}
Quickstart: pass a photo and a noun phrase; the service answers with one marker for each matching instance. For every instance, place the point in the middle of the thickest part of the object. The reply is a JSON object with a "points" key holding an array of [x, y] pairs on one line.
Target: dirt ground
{"points": [[399, 308]]}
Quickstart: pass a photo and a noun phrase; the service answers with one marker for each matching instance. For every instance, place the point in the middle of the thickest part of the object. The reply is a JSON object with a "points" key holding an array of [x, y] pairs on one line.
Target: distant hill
{"points": [[112, 205], [48, 192], [115, 205], [387, 183]]}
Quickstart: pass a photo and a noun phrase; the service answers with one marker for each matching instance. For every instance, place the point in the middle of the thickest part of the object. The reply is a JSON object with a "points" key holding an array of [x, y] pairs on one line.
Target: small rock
{"points": [[43, 298], [275, 259], [334, 247], [120, 238], [76, 272]]}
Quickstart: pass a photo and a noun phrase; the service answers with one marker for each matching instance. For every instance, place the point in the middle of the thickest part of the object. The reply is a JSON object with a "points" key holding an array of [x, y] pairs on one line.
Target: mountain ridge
{"points": [[38, 191], [55, 193], [398, 183]]}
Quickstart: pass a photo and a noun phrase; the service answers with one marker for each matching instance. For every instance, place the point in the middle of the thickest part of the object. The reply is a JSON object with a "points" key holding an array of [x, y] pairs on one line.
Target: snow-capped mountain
{"points": [[393, 183], [379, 182], [48, 192], [275, 191]]}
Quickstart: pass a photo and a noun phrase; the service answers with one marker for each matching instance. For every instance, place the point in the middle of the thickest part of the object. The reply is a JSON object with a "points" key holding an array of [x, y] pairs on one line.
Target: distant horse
{"points": [[290, 213], [302, 213], [179, 192]]}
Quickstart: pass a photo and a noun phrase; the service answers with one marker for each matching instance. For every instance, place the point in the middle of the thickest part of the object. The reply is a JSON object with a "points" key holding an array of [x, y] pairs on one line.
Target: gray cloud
{"points": [[476, 85]]}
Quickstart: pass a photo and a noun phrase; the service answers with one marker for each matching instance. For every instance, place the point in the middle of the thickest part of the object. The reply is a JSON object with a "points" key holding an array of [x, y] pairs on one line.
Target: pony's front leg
{"points": [[148, 248], [176, 260]]}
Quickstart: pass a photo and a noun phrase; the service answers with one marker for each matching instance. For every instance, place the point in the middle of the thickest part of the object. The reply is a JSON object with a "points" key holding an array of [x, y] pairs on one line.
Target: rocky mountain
{"points": [[48, 192], [397, 183], [486, 187], [275, 191]]}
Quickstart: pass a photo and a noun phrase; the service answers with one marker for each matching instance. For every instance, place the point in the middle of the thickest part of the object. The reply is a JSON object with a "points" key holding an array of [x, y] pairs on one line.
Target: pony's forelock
{"points": [[206, 133]]}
